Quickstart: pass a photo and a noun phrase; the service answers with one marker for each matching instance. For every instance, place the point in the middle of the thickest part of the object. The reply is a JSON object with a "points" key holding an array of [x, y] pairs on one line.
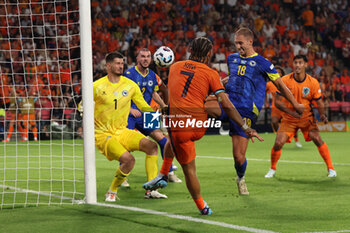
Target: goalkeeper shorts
{"points": [[114, 145]]}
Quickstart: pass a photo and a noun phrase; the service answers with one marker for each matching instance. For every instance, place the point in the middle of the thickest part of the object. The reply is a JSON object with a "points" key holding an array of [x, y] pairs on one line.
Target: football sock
{"points": [[275, 156], [10, 131], [25, 132], [151, 166], [162, 145], [199, 203], [35, 132], [118, 180], [240, 168], [167, 163], [324, 152]]}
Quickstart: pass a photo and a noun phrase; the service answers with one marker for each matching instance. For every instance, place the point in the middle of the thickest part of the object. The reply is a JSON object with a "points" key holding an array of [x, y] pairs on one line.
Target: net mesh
{"points": [[41, 154]]}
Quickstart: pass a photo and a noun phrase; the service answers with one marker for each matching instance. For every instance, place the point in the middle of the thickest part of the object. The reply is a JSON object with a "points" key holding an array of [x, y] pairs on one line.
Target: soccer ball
{"points": [[164, 56]]}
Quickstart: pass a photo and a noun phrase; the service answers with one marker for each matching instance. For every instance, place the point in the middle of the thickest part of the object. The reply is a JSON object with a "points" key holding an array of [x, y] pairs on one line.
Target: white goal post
{"points": [[88, 115]]}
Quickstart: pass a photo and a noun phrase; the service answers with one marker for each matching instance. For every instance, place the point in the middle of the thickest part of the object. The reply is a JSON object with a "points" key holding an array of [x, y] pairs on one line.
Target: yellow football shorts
{"points": [[113, 146]]}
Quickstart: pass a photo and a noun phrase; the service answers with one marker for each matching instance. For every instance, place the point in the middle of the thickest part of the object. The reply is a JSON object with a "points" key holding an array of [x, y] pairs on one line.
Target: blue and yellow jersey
{"points": [[247, 82], [148, 83], [112, 103]]}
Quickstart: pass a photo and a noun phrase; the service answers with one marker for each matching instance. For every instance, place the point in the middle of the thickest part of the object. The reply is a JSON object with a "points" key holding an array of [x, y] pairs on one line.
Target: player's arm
{"points": [[161, 87], [164, 90], [224, 81], [281, 106], [140, 101], [158, 99], [234, 115], [320, 108], [288, 95]]}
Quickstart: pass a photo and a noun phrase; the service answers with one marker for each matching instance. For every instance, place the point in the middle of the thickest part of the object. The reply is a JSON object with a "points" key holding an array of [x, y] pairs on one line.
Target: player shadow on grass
{"points": [[306, 180]]}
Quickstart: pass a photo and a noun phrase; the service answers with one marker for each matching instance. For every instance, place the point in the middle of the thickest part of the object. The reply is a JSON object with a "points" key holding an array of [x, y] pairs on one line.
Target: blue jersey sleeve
{"points": [[268, 70]]}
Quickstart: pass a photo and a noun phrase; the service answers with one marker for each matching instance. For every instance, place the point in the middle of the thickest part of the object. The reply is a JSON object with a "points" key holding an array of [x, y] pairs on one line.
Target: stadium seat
{"points": [[345, 107], [347, 88], [334, 106]]}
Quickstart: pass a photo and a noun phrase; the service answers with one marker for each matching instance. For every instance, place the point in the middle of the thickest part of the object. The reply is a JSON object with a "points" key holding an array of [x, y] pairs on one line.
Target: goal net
{"points": [[41, 150]]}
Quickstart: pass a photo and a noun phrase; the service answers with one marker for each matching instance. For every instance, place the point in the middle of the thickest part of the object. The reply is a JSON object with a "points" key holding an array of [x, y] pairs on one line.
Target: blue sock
{"points": [[240, 168], [162, 145]]}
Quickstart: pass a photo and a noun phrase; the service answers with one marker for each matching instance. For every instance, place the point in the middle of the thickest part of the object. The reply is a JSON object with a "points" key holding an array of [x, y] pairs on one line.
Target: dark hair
{"points": [[245, 32], [300, 56], [281, 69], [200, 48], [142, 50], [111, 56]]}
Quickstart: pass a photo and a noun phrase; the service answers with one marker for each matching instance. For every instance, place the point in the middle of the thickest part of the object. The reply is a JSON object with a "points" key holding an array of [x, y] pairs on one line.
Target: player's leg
{"points": [[159, 137], [296, 139], [193, 187], [34, 129], [115, 151], [136, 141], [25, 126], [323, 150], [161, 181], [11, 128], [275, 123], [239, 148], [281, 139]]}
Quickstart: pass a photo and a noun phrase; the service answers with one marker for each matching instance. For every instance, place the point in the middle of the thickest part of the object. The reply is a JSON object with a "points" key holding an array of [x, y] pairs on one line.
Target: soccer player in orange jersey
{"points": [[11, 114], [305, 89], [190, 81], [27, 109], [276, 114]]}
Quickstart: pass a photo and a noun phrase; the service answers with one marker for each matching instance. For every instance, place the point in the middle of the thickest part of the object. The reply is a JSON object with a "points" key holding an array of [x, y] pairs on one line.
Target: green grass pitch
{"points": [[301, 198]]}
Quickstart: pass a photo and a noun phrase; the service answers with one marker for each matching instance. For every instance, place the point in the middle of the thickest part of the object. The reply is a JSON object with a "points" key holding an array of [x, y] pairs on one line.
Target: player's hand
{"points": [[136, 113], [324, 118], [300, 109], [295, 114], [164, 110], [251, 133]]}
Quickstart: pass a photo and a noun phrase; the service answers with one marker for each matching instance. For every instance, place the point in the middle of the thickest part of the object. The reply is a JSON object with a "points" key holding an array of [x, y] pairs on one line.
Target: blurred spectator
{"points": [[337, 94]]}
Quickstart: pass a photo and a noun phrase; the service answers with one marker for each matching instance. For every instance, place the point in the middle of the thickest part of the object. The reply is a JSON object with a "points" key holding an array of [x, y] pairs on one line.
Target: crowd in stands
{"points": [[283, 29], [40, 52]]}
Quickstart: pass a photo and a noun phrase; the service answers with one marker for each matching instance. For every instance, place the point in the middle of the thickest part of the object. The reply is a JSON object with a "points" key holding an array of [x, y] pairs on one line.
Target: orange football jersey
{"points": [[189, 84], [304, 92]]}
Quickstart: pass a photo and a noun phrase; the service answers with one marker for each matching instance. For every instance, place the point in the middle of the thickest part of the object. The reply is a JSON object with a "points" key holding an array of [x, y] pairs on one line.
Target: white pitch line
{"points": [[328, 231], [48, 194], [187, 218], [267, 160], [146, 211]]}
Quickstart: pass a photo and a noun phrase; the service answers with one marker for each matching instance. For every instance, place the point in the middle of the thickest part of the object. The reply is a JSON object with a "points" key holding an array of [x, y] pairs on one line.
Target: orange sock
{"points": [[166, 165], [25, 132], [35, 132], [275, 156], [324, 152], [10, 131], [199, 203]]}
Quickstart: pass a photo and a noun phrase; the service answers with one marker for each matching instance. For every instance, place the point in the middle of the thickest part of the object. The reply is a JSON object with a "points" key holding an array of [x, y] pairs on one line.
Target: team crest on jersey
{"points": [[252, 63], [306, 91], [150, 83], [115, 93], [125, 93]]}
